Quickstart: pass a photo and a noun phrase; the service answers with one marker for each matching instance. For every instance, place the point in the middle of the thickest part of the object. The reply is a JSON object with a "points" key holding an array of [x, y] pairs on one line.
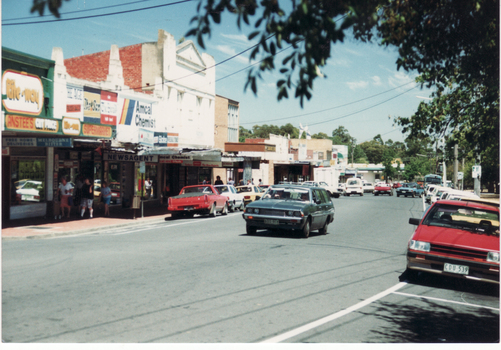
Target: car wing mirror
{"points": [[414, 221]]}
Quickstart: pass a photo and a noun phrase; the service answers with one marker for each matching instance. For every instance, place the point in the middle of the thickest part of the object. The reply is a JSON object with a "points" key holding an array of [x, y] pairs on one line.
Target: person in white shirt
{"points": [[65, 190]]}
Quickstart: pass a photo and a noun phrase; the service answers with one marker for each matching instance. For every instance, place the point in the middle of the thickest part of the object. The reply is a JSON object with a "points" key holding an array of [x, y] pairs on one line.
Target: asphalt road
{"points": [[203, 280]]}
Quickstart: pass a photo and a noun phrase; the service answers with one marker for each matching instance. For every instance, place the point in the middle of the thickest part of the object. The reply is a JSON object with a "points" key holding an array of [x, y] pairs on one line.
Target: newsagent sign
{"points": [[120, 157], [23, 92]]}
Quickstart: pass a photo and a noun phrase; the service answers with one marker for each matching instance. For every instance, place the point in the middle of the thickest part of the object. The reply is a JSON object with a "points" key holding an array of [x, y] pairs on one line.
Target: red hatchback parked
{"points": [[457, 238]]}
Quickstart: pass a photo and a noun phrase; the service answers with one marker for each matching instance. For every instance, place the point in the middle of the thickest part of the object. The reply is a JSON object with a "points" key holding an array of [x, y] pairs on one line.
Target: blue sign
{"points": [[54, 142]]}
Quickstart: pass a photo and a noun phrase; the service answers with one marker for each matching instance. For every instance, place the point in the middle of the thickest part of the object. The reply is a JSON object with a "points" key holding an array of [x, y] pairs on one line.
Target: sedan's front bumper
{"points": [[274, 222], [478, 271]]}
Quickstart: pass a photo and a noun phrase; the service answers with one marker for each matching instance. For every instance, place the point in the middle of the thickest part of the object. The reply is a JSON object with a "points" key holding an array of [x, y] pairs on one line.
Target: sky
{"points": [[363, 90]]}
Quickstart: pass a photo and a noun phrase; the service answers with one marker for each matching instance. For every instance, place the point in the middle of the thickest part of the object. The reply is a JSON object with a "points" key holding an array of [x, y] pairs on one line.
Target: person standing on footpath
{"points": [[65, 189], [218, 181], [147, 187], [87, 197], [231, 182], [106, 196]]}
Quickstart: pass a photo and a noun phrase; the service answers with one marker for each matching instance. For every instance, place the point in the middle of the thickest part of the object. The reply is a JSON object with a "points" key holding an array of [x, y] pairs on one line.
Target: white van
{"points": [[354, 186]]}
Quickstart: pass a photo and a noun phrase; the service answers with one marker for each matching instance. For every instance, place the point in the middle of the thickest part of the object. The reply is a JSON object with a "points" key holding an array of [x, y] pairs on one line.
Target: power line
{"points": [[77, 11], [100, 15], [343, 105]]}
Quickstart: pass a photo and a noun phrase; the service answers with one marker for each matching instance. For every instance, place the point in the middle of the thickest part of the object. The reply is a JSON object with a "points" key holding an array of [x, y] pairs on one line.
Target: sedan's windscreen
{"points": [[274, 193], [465, 218]]}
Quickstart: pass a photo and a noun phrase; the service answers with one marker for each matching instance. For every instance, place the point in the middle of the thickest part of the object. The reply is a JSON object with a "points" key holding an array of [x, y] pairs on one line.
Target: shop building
{"points": [[41, 140], [165, 114]]}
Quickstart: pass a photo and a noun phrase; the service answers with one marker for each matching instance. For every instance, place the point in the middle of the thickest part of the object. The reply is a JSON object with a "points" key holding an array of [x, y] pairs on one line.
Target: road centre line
{"points": [[335, 316], [445, 300]]}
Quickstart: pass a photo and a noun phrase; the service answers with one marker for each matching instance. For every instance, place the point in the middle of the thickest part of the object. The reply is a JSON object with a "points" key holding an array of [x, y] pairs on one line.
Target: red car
{"points": [[198, 199], [457, 238], [115, 192], [397, 185], [382, 188]]}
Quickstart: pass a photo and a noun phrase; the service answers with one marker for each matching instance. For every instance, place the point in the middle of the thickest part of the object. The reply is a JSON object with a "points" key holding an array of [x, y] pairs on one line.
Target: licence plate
{"points": [[271, 221], [188, 208], [404, 191], [459, 269]]}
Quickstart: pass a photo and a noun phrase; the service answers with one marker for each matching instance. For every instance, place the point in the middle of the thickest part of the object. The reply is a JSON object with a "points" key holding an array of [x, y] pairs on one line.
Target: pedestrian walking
{"points": [[87, 198], [106, 197], [65, 190], [231, 182]]}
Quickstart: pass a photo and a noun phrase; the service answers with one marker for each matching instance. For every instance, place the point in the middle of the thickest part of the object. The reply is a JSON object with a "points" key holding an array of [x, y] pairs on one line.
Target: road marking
{"points": [[445, 300], [333, 317]]}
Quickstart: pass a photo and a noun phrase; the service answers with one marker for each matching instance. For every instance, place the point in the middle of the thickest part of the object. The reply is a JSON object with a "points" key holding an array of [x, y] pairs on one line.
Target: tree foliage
{"points": [[452, 44]]}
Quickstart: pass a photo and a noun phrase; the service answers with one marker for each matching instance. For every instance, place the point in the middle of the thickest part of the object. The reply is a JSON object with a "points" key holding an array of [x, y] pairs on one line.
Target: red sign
{"points": [[108, 108], [73, 108], [96, 130]]}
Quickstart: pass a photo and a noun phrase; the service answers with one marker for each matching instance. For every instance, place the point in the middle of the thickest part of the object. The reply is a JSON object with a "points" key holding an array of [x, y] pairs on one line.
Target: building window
{"points": [[28, 181]]}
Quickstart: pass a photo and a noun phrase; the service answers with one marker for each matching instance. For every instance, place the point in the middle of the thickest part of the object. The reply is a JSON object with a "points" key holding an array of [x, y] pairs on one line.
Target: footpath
{"points": [[119, 217]]}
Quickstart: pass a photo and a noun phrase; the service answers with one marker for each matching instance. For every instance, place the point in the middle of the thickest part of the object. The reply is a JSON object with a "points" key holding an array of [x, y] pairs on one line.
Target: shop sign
{"points": [[118, 157], [137, 113], [146, 137], [202, 163], [74, 101], [108, 108], [175, 158], [160, 139], [17, 122], [94, 130], [53, 142], [71, 126], [23, 92], [5, 151], [92, 105], [68, 164], [172, 139], [36, 142]]}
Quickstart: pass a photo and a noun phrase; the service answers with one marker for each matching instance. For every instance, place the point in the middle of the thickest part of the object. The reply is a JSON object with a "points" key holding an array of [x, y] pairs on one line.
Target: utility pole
{"points": [[477, 172], [456, 165]]}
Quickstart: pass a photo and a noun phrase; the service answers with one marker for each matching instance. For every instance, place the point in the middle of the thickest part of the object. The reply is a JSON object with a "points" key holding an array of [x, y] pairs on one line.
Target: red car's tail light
{"points": [[206, 199]]}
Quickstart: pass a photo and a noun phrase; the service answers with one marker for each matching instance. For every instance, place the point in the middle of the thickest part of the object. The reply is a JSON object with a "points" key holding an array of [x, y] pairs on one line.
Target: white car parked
{"points": [[368, 187], [458, 195], [236, 200], [333, 191]]}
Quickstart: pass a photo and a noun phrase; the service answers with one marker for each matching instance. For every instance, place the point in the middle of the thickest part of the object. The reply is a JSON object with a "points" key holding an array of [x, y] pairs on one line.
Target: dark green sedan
{"points": [[291, 207]]}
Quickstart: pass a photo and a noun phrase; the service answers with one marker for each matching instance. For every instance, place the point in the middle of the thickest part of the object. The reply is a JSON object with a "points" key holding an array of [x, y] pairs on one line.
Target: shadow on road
{"points": [[434, 323]]}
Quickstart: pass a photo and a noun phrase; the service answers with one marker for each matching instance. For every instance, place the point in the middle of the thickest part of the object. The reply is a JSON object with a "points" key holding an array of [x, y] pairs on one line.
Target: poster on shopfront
{"points": [[133, 116], [74, 101], [92, 105], [108, 108]]}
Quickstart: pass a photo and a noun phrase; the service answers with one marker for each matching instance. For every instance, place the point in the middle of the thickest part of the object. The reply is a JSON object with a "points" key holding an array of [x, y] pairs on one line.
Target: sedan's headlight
{"points": [[493, 257], [256, 211], [418, 245]]}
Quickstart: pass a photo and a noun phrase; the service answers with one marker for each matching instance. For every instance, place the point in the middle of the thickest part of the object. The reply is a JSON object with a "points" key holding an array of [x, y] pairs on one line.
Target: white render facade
{"points": [[181, 98]]}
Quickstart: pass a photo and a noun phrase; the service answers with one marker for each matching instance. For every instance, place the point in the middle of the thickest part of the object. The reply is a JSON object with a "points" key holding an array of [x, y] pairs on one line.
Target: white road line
{"points": [[445, 300], [332, 317]]}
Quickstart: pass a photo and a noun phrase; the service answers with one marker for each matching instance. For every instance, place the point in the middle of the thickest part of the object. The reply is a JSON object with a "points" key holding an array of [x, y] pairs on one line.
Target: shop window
{"points": [[27, 182]]}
